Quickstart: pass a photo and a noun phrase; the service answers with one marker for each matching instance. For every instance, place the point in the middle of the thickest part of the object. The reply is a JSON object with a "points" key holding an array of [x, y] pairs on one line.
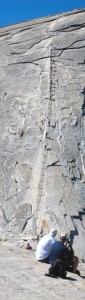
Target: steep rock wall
{"points": [[42, 125]]}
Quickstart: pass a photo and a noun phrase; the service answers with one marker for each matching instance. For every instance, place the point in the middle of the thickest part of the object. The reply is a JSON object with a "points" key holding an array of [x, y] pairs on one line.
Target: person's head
{"points": [[63, 237], [53, 232]]}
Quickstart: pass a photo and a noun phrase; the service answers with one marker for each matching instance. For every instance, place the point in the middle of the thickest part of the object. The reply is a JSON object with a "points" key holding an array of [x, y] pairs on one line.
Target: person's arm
{"points": [[71, 251]]}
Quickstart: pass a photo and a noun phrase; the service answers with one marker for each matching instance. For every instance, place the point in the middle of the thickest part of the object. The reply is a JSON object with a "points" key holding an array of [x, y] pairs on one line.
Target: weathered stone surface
{"points": [[42, 126], [22, 277]]}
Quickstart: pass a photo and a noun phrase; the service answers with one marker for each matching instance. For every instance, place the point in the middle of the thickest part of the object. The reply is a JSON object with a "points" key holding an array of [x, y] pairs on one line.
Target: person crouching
{"points": [[44, 246]]}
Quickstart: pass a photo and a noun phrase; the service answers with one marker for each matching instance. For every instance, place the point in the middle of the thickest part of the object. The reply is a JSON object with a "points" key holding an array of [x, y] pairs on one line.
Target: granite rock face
{"points": [[42, 126], [22, 277]]}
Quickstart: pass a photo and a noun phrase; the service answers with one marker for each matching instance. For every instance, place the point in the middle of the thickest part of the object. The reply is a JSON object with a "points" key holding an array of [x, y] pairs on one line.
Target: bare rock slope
{"points": [[42, 126], [22, 277]]}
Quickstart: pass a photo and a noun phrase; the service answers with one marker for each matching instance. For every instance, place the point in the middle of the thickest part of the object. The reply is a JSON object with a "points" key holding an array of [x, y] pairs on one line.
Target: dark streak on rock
{"points": [[83, 105]]}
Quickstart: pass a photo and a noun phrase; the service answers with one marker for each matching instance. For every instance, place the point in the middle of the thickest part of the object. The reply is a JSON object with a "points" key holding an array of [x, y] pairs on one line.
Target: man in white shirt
{"points": [[44, 246]]}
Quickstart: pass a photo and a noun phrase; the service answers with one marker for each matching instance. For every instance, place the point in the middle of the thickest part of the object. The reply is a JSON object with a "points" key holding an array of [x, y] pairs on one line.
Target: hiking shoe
{"points": [[64, 275], [78, 272], [51, 275]]}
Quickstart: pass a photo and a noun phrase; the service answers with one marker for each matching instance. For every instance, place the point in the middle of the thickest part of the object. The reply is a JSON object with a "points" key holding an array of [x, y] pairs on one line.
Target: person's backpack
{"points": [[57, 269]]}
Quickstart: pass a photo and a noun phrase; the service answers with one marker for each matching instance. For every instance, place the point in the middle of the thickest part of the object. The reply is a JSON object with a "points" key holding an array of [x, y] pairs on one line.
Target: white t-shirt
{"points": [[44, 247]]}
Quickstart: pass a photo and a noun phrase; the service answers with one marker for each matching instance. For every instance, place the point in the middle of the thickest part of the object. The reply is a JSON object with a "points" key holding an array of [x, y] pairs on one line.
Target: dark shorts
{"points": [[67, 262], [45, 260]]}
